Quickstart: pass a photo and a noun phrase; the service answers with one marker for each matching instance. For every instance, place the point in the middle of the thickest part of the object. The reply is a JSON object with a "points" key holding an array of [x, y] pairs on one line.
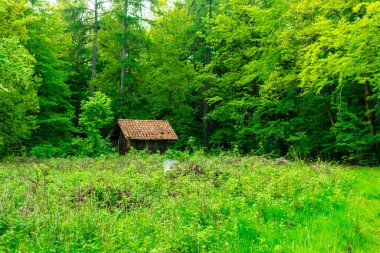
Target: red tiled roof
{"points": [[147, 129]]}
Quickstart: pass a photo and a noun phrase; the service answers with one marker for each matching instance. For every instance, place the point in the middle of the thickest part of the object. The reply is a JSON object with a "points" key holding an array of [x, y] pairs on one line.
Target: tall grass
{"points": [[205, 204]]}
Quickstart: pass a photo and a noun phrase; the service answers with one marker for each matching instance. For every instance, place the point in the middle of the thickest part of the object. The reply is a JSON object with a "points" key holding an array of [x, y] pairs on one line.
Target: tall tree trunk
{"points": [[206, 107], [123, 57], [328, 110], [206, 122], [327, 105], [94, 47], [368, 105]]}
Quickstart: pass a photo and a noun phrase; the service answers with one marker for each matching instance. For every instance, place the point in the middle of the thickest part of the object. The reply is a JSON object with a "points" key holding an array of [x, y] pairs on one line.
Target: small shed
{"points": [[144, 134]]}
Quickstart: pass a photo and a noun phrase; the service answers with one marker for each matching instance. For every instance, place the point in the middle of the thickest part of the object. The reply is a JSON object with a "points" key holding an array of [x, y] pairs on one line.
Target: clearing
{"points": [[204, 204]]}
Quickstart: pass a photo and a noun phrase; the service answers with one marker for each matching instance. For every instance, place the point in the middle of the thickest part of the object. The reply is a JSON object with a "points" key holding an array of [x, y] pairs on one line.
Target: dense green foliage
{"points": [[292, 78], [205, 204], [18, 95], [298, 79], [96, 115], [55, 117]]}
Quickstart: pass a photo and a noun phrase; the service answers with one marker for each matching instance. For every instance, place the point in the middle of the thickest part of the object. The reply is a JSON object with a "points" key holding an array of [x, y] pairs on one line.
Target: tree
{"points": [[123, 42], [78, 18], [169, 84], [49, 42], [95, 117], [18, 96], [202, 13], [97, 7], [344, 60]]}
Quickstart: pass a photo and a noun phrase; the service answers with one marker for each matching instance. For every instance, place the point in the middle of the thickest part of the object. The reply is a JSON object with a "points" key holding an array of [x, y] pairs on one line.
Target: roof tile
{"points": [[147, 129]]}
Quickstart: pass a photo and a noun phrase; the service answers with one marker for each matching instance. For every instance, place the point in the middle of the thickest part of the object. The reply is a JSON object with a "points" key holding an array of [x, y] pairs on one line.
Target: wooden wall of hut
{"points": [[124, 145]]}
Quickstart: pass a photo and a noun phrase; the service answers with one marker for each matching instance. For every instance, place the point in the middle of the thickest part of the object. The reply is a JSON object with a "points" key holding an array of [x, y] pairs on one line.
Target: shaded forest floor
{"points": [[203, 204]]}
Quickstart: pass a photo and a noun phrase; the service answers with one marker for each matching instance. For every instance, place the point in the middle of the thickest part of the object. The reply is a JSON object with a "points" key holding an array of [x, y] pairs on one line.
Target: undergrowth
{"points": [[204, 203]]}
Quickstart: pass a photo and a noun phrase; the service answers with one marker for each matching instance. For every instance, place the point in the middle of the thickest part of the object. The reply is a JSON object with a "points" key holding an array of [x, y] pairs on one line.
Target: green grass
{"points": [[207, 204]]}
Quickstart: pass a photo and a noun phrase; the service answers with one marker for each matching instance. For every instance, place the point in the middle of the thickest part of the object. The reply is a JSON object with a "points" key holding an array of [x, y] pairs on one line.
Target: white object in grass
{"points": [[169, 165]]}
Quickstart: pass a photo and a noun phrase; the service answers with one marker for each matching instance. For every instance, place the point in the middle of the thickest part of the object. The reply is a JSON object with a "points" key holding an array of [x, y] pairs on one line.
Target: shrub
{"points": [[96, 115]]}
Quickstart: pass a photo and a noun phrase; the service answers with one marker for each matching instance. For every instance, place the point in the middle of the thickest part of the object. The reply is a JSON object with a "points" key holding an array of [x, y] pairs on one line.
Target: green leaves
{"points": [[298, 78], [223, 203], [96, 112], [49, 42], [96, 115], [18, 96], [303, 64]]}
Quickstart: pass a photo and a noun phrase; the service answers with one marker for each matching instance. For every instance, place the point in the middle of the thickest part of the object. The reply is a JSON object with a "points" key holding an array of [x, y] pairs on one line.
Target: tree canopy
{"points": [[283, 78]]}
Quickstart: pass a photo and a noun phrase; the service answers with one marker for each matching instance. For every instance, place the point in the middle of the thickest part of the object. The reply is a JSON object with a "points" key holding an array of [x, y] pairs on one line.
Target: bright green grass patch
{"points": [[205, 204]]}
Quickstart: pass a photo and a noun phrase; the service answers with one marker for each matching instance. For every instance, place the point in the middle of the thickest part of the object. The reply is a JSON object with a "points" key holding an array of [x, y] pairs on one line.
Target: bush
{"points": [[96, 115]]}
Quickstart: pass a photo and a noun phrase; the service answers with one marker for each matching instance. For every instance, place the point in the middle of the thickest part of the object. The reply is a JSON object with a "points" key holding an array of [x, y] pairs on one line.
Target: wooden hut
{"points": [[153, 135]]}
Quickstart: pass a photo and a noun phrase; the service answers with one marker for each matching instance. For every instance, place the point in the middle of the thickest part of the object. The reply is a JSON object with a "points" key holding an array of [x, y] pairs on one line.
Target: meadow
{"points": [[221, 203]]}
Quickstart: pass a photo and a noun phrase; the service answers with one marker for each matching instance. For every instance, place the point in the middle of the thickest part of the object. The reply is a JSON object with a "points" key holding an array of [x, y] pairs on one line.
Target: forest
{"points": [[276, 104], [297, 79]]}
